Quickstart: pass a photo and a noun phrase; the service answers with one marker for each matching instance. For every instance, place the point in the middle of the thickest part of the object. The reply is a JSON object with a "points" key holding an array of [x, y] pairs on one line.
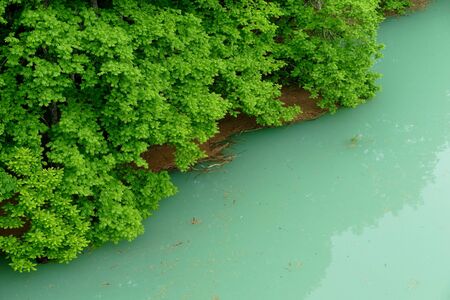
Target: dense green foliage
{"points": [[395, 6], [87, 86], [330, 48]]}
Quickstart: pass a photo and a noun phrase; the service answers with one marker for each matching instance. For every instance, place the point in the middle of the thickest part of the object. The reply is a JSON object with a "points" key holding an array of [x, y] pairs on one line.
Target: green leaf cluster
{"points": [[395, 6], [87, 86], [329, 48]]}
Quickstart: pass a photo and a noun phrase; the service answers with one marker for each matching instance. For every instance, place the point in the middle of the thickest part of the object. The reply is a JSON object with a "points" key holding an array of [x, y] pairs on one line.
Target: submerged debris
{"points": [[354, 141]]}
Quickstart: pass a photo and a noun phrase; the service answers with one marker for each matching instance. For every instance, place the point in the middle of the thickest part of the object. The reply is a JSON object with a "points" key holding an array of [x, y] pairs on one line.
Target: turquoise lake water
{"points": [[354, 205]]}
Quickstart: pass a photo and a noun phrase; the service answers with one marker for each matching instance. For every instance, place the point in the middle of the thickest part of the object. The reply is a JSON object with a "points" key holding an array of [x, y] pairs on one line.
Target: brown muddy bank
{"points": [[163, 157]]}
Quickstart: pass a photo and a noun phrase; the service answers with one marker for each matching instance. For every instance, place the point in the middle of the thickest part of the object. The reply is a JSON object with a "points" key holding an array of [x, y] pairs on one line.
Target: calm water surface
{"points": [[352, 206]]}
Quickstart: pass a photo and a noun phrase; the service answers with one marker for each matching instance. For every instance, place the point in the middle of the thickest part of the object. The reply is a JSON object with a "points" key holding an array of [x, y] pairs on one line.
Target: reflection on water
{"points": [[403, 256], [351, 206]]}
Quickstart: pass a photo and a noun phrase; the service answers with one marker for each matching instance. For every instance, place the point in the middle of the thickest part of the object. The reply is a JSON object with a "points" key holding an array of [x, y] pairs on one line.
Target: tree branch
{"points": [[54, 113]]}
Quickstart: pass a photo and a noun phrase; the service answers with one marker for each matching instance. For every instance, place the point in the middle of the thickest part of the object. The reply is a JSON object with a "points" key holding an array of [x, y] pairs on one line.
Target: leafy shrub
{"points": [[395, 6], [329, 48], [87, 86]]}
